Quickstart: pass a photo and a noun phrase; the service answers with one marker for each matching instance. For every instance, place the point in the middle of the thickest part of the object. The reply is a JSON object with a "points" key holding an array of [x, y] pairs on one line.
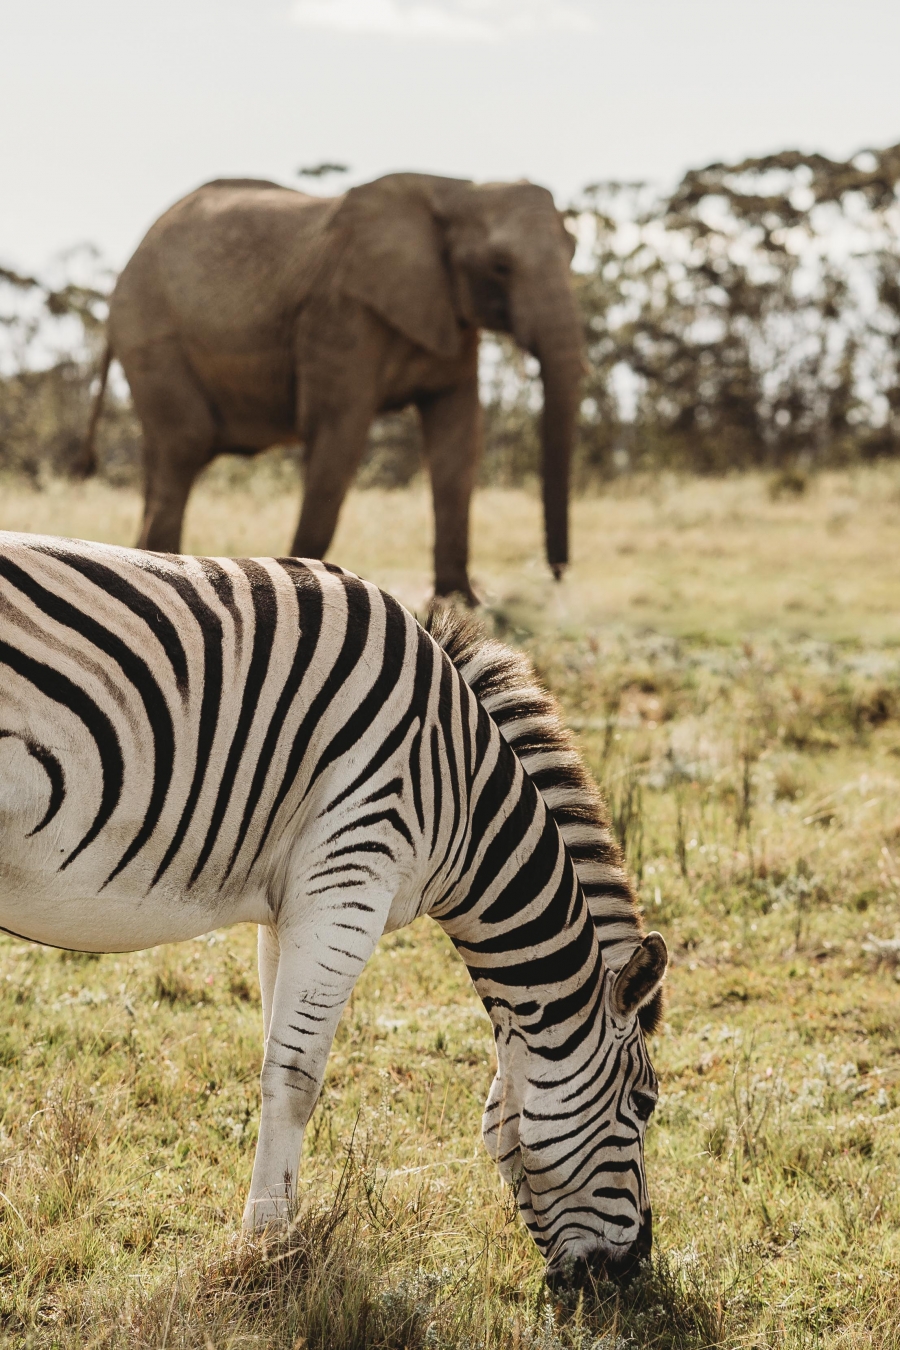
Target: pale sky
{"points": [[112, 109]]}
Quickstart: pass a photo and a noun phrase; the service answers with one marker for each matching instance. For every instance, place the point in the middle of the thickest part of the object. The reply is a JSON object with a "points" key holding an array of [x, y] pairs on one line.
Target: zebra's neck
{"points": [[518, 917], [530, 721]]}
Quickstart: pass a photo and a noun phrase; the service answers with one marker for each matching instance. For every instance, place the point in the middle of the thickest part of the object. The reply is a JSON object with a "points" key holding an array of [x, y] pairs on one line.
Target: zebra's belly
{"points": [[58, 913]]}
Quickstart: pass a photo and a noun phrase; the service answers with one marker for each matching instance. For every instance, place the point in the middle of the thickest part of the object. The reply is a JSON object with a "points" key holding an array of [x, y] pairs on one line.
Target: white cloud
{"points": [[481, 20]]}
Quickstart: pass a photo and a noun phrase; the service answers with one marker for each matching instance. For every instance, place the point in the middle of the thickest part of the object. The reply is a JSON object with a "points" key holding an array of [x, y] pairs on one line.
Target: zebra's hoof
{"points": [[266, 1219]]}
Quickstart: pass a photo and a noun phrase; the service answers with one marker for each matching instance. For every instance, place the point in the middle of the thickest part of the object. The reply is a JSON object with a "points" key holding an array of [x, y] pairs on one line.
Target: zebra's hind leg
{"points": [[318, 962]]}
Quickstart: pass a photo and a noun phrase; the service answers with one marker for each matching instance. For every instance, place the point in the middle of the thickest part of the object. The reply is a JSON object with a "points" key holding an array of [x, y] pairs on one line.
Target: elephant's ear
{"points": [[571, 241], [393, 260]]}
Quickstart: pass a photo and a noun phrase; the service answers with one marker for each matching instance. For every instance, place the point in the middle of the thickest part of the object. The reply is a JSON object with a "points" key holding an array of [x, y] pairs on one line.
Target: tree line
{"points": [[749, 318]]}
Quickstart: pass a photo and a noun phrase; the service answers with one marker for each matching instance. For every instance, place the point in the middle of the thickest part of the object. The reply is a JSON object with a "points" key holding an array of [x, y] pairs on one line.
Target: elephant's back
{"points": [[247, 183], [232, 256]]}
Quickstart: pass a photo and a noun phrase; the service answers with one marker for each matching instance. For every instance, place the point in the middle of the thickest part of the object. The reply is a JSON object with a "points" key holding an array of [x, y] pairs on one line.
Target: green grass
{"points": [[731, 665]]}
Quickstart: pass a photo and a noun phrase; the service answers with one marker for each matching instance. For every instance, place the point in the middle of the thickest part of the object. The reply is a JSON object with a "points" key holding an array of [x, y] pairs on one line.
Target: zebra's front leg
{"points": [[267, 955], [318, 963]]}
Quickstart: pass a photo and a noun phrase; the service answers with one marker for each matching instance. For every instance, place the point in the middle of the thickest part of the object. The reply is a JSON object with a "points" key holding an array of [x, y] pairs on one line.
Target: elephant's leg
{"points": [[335, 451], [168, 483], [179, 439], [451, 423]]}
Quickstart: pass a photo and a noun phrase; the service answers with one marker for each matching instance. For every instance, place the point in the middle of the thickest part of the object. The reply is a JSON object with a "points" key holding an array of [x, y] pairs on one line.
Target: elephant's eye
{"points": [[643, 1104], [501, 269]]}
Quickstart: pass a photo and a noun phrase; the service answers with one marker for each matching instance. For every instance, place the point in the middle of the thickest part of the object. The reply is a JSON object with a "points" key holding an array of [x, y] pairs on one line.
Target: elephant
{"points": [[252, 314]]}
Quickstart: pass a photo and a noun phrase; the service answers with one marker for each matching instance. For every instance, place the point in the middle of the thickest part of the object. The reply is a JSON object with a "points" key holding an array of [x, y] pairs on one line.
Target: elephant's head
{"points": [[434, 256]]}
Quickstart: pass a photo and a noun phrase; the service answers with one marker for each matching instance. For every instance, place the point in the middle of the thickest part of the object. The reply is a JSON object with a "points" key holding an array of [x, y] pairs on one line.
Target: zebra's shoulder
{"points": [[529, 718]]}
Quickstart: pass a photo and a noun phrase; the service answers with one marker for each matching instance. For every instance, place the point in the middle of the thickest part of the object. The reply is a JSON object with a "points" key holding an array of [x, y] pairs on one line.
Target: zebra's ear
{"points": [[640, 978]]}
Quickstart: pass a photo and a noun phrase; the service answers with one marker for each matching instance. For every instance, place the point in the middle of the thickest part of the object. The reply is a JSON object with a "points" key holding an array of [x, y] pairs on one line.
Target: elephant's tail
{"points": [[84, 464]]}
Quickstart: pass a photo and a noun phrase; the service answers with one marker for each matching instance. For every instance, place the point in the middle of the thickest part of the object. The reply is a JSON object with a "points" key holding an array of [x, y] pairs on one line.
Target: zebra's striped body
{"points": [[188, 743]]}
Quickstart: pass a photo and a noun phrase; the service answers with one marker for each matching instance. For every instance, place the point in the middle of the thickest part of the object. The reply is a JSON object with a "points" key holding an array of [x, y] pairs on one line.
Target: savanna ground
{"points": [[730, 661]]}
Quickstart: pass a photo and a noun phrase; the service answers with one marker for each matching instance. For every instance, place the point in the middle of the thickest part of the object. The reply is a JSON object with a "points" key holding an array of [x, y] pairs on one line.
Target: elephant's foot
{"points": [[161, 528], [459, 591]]}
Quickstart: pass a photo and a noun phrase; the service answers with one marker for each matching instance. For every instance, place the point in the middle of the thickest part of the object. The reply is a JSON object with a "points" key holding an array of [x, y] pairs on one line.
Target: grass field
{"points": [[731, 664]]}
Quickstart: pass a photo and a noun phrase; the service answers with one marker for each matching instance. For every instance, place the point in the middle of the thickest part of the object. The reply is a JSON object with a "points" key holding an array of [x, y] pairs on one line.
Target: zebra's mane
{"points": [[529, 719]]}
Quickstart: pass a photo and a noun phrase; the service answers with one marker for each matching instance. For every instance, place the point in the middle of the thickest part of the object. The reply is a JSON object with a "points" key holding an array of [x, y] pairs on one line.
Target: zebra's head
{"points": [[568, 1134]]}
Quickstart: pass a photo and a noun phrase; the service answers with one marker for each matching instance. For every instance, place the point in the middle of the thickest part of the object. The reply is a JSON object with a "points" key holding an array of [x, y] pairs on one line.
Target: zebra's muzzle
{"points": [[582, 1271]]}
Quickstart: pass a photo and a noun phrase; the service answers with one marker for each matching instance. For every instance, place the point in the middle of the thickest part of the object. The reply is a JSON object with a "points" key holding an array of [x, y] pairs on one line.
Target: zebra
{"points": [[188, 743]]}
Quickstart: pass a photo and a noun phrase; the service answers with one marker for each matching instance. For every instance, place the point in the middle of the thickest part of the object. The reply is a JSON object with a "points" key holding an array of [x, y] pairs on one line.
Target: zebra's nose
{"points": [[599, 1265], [624, 1268]]}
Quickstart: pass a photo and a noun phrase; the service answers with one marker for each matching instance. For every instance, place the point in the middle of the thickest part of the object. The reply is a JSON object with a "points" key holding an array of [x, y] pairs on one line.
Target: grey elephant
{"points": [[252, 315]]}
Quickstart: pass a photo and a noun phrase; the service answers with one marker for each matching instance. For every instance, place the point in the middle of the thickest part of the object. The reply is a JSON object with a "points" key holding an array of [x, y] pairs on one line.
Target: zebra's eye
{"points": [[643, 1104]]}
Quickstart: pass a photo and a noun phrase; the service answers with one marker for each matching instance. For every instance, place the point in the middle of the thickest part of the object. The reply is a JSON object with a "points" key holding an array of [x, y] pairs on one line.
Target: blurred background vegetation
{"points": [[749, 319]]}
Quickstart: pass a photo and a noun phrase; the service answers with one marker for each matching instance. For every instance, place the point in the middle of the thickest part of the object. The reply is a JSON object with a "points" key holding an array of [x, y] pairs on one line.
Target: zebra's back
{"points": [[160, 718]]}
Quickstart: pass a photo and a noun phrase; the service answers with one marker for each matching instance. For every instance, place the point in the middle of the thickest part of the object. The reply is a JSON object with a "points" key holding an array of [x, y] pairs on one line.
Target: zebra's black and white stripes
{"points": [[527, 715], [186, 743]]}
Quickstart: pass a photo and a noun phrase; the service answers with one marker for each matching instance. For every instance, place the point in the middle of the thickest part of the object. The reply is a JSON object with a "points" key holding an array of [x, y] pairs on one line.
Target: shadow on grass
{"points": [[670, 1305], [330, 1284]]}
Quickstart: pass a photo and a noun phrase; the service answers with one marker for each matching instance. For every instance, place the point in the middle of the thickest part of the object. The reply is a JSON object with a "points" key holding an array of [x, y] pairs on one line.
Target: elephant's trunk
{"points": [[561, 378], [561, 370]]}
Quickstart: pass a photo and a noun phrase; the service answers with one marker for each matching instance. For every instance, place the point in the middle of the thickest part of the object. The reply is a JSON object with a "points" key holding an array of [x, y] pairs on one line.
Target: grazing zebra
{"points": [[192, 742]]}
